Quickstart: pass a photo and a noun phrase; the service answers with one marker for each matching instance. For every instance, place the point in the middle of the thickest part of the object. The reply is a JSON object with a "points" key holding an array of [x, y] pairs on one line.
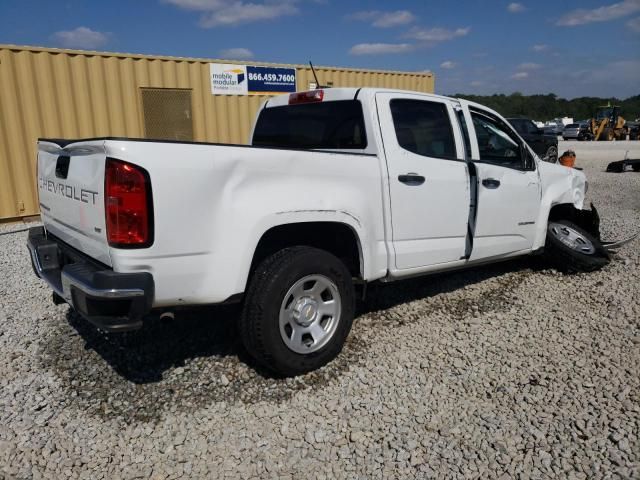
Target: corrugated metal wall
{"points": [[78, 94]]}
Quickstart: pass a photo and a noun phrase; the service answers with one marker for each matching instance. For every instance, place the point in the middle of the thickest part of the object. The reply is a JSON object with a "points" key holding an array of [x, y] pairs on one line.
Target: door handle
{"points": [[491, 183], [411, 179]]}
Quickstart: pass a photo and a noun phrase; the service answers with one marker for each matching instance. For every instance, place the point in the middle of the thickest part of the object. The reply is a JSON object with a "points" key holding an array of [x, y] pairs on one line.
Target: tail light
{"points": [[128, 205], [306, 97]]}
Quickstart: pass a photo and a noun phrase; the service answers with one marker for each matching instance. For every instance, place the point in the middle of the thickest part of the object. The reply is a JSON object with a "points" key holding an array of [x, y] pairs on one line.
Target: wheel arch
{"points": [[336, 237], [589, 220]]}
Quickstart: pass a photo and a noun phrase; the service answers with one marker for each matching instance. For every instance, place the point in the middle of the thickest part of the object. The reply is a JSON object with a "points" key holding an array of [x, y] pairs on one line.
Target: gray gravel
{"points": [[508, 371]]}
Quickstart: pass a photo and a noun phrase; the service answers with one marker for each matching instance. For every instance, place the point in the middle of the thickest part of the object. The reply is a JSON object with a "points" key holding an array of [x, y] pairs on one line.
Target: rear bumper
{"points": [[111, 301]]}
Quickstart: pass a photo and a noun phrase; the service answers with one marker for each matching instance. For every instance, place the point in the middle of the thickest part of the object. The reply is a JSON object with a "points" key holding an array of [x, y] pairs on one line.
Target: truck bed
{"points": [[200, 190]]}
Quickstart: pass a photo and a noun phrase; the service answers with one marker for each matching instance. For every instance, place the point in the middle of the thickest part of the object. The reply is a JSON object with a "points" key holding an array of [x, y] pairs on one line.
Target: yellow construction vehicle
{"points": [[608, 124]]}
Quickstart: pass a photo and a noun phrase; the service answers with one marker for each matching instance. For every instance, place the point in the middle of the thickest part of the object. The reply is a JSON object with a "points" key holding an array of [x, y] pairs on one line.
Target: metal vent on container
{"points": [[167, 113]]}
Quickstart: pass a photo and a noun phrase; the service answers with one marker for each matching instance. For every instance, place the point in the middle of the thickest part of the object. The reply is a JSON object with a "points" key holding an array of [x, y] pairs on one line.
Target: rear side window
{"points": [[423, 128], [324, 125]]}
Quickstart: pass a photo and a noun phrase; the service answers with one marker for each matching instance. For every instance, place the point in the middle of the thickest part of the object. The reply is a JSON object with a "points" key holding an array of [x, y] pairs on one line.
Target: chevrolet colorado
{"points": [[339, 188]]}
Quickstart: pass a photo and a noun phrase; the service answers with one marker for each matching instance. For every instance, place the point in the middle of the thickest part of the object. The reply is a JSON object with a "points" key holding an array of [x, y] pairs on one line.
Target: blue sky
{"points": [[570, 48]]}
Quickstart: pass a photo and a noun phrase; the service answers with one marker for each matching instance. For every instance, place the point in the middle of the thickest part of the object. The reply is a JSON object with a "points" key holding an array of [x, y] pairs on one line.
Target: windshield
{"points": [[322, 125]]}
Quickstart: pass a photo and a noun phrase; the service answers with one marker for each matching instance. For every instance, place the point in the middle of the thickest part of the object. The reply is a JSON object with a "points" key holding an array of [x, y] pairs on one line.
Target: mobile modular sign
{"points": [[230, 79]]}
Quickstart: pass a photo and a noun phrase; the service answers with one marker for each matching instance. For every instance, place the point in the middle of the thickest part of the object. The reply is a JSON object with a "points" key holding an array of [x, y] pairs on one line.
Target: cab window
{"points": [[497, 143], [423, 128], [323, 125]]}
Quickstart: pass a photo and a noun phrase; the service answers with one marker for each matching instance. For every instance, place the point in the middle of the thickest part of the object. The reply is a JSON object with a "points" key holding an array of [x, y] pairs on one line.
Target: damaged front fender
{"points": [[588, 220]]}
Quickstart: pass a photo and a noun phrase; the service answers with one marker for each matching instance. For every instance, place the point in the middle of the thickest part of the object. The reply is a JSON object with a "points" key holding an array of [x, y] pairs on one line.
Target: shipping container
{"points": [[56, 93]]}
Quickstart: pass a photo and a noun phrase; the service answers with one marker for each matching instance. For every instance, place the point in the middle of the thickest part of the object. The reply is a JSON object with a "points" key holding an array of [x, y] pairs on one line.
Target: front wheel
{"points": [[298, 310], [572, 249]]}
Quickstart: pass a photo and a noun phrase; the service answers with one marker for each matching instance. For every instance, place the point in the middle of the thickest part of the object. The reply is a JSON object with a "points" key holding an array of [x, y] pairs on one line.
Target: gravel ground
{"points": [[508, 371]]}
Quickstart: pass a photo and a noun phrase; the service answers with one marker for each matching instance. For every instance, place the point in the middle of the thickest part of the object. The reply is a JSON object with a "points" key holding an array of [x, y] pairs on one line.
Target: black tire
{"points": [[551, 155], [260, 319], [569, 260]]}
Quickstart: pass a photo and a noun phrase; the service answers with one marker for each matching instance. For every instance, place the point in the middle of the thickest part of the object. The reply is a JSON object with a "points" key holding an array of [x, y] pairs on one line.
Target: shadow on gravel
{"points": [[197, 359], [385, 296], [180, 365], [143, 356]]}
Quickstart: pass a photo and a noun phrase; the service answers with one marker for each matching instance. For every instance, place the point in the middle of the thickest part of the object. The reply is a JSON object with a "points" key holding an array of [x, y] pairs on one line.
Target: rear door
{"points": [[71, 190], [508, 188], [428, 179]]}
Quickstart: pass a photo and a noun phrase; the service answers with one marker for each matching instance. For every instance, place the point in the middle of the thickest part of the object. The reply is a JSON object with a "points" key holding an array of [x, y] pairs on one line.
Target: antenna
{"points": [[316, 77]]}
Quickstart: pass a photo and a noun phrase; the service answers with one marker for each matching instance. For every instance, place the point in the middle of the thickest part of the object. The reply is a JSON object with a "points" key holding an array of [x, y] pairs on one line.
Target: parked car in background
{"points": [[543, 143], [571, 131], [554, 129], [584, 134], [634, 130]]}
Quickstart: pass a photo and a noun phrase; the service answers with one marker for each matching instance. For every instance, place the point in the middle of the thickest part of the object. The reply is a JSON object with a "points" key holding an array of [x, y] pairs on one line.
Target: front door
{"points": [[508, 189], [428, 179]]}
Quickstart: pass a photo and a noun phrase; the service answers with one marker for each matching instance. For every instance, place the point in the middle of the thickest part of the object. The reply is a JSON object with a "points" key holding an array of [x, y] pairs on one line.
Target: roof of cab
{"points": [[347, 93]]}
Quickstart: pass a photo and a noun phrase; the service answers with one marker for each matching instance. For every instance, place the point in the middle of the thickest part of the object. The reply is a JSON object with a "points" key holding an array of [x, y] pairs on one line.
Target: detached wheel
{"points": [[551, 155], [298, 310], [572, 249]]}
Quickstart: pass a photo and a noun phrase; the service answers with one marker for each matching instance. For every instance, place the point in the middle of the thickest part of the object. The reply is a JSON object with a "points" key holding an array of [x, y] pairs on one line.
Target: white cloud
{"points": [[384, 19], [541, 47], [520, 76], [238, 13], [216, 13], [576, 77], [529, 66], [436, 35], [516, 7], [634, 24], [602, 14], [622, 72], [380, 48], [200, 5], [448, 65], [81, 37], [236, 53], [476, 83]]}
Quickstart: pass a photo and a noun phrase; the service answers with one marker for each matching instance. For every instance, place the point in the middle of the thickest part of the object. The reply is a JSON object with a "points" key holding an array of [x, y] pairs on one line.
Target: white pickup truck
{"points": [[339, 188]]}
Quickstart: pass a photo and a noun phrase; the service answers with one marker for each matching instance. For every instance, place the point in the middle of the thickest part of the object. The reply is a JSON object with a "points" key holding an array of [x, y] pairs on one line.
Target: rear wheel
{"points": [[551, 155], [572, 249], [298, 311]]}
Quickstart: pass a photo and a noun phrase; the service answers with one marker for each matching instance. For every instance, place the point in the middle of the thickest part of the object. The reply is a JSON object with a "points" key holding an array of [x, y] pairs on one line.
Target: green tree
{"points": [[545, 107]]}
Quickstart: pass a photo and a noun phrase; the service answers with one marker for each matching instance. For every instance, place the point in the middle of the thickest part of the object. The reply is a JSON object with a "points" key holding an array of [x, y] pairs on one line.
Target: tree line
{"points": [[547, 107]]}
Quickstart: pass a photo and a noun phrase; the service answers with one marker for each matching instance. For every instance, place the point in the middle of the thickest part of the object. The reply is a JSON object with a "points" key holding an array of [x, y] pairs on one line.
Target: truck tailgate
{"points": [[71, 189]]}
